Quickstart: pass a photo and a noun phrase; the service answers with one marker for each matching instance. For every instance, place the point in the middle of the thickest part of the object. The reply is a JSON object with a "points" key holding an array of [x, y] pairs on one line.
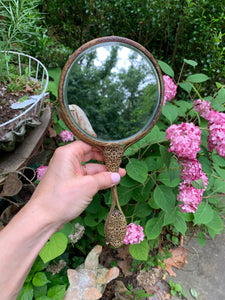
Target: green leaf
{"points": [[198, 184], [164, 197], [166, 68], [212, 233], [139, 251], [40, 291], [170, 112], [39, 279], [217, 103], [204, 214], [170, 217], [54, 73], [220, 171], [124, 195], [180, 224], [216, 223], [165, 154], [171, 177], [57, 292], [137, 170], [100, 228], [197, 78], [142, 210], [206, 164], [128, 182], [142, 193], [54, 247], [67, 229], [90, 220], [152, 203], [219, 186], [153, 228], [191, 62], [218, 160], [95, 204], [38, 265], [194, 294], [201, 238], [151, 164], [187, 86], [26, 293]]}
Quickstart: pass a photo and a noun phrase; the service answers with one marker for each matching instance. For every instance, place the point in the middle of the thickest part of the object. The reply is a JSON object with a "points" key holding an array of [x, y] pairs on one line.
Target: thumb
{"points": [[105, 180]]}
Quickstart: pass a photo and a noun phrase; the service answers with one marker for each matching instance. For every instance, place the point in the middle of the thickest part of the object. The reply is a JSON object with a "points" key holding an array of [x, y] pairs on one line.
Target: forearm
{"points": [[20, 242]]}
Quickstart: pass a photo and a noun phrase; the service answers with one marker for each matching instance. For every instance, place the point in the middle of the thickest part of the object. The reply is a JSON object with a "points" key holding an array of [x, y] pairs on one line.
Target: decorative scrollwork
{"points": [[115, 228], [113, 156]]}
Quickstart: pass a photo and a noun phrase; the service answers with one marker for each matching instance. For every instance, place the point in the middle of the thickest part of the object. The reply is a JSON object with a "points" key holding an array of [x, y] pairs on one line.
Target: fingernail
{"points": [[115, 177]]}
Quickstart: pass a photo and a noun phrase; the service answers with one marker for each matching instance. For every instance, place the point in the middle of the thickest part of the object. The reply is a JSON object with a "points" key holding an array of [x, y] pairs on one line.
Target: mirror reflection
{"points": [[111, 91]]}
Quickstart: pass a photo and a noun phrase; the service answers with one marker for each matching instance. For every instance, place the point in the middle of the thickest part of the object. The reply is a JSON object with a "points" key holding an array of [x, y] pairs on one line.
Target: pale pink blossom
{"points": [[66, 136], [134, 234], [170, 89], [185, 140], [189, 197], [41, 172]]}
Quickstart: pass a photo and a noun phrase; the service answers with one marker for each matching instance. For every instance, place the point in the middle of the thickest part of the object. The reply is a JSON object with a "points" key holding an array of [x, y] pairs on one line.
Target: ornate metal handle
{"points": [[115, 225]]}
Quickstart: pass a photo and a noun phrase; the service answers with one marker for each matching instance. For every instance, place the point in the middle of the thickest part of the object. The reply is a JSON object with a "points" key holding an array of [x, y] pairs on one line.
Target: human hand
{"points": [[67, 186]]}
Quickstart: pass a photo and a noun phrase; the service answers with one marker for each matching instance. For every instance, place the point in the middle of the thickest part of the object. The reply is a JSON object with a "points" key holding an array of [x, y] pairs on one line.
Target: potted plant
{"points": [[23, 87]]}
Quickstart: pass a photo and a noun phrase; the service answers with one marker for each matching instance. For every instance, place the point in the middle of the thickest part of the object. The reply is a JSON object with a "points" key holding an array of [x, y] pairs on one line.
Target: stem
{"points": [[181, 71], [196, 91]]}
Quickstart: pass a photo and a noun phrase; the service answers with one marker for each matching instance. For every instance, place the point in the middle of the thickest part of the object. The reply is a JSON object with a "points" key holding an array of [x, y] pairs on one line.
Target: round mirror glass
{"points": [[112, 91]]}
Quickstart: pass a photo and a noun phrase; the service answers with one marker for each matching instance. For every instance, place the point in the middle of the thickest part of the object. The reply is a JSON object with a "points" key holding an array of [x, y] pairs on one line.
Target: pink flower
{"points": [[189, 196], [216, 138], [170, 89], [192, 170], [185, 140], [207, 112], [134, 234], [41, 172], [66, 136], [216, 126]]}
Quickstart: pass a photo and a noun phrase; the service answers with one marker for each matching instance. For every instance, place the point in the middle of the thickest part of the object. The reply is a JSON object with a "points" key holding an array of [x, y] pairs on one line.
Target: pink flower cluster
{"points": [[170, 89], [185, 140], [216, 126], [134, 234], [190, 197], [192, 170], [41, 172], [66, 136]]}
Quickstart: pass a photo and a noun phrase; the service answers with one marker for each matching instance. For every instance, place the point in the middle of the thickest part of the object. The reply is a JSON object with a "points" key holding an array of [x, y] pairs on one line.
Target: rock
{"points": [[89, 280]]}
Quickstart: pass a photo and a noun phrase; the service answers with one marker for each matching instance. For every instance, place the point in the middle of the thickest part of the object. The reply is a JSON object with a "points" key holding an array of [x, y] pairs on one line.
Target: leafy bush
{"points": [[18, 22], [168, 29], [148, 194]]}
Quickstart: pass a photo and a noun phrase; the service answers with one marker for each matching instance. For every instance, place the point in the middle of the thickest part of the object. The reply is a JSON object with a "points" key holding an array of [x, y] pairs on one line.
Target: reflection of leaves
{"points": [[12, 185]]}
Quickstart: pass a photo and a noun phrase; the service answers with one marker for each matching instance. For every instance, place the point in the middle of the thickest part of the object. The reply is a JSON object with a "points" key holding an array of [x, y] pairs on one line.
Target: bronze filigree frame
{"points": [[115, 226]]}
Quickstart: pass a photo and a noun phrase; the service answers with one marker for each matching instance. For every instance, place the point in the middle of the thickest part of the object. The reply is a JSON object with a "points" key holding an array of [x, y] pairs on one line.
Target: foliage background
{"points": [[172, 31]]}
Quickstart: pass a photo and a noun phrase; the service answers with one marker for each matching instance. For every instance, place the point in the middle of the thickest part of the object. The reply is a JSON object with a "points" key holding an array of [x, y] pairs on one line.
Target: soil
{"points": [[7, 98]]}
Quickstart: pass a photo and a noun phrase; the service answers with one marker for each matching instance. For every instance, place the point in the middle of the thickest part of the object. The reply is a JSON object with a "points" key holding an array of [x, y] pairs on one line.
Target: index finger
{"points": [[83, 152]]}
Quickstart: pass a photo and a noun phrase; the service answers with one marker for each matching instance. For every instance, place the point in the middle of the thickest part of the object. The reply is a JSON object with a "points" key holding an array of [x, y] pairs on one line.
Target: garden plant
{"points": [[173, 187], [175, 181]]}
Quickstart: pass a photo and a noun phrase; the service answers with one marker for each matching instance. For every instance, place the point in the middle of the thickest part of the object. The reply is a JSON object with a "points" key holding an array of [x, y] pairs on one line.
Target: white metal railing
{"points": [[24, 61]]}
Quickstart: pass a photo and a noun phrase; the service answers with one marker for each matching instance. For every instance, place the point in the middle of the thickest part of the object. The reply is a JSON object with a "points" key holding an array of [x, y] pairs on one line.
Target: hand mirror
{"points": [[111, 94]]}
